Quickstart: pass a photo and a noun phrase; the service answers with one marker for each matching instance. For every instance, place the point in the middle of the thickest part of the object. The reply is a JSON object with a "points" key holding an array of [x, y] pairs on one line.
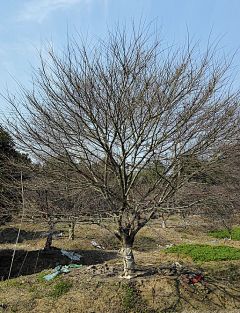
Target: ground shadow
{"points": [[30, 262], [9, 235]]}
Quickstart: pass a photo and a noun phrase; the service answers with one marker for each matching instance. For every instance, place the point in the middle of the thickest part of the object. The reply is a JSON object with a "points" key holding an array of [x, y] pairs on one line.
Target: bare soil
{"points": [[97, 286]]}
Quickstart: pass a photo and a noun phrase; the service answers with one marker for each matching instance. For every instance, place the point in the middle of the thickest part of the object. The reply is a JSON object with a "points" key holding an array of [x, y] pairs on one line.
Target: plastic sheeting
{"points": [[98, 245], [71, 255], [58, 270], [61, 270], [73, 266]]}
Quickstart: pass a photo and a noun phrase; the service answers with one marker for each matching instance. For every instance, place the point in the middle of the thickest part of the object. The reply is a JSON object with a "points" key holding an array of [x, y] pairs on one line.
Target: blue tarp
{"points": [[58, 270]]}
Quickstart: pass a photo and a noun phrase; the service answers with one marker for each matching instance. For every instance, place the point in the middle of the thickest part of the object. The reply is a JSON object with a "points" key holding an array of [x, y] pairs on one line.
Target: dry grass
{"points": [[96, 291]]}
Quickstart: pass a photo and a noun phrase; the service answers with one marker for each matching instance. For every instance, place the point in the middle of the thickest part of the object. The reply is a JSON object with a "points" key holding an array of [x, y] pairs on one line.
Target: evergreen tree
{"points": [[12, 163]]}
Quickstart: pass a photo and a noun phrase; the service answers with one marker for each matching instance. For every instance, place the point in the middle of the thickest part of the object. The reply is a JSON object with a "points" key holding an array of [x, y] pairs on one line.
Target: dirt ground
{"points": [[97, 286]]}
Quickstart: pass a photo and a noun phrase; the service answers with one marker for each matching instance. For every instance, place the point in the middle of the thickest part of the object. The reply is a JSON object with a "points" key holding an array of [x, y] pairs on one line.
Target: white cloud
{"points": [[37, 10]]}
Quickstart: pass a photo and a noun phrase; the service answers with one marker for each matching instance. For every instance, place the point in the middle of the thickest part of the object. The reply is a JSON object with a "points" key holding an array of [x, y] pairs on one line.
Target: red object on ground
{"points": [[191, 278]]}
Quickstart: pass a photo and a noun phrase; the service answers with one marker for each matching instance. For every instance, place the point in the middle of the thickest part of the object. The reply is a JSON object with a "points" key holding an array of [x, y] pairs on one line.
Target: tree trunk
{"points": [[71, 230], [164, 219], [128, 262], [127, 253], [163, 224], [49, 238], [48, 242], [184, 220]]}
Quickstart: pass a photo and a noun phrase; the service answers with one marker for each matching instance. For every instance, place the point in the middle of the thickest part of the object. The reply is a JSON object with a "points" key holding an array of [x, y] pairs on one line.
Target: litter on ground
{"points": [[61, 270], [189, 278], [58, 270], [71, 255], [186, 278], [98, 245], [54, 235], [73, 266]]}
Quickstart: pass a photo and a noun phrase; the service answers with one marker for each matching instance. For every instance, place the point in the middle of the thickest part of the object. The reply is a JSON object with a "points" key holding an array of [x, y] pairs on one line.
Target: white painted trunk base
{"points": [[128, 263]]}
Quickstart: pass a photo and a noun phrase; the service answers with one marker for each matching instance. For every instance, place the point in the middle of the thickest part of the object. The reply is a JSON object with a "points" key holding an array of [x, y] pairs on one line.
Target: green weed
{"points": [[32, 289], [13, 283], [113, 283], [40, 276], [146, 238], [206, 253], [124, 286], [223, 233], [128, 297], [61, 289], [15, 308]]}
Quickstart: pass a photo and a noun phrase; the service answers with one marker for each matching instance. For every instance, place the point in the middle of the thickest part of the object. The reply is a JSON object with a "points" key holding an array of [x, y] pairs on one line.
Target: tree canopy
{"points": [[118, 106]]}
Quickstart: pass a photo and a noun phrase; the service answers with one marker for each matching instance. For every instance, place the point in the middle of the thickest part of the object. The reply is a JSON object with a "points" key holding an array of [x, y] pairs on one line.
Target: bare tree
{"points": [[53, 196], [115, 107], [222, 212], [222, 206]]}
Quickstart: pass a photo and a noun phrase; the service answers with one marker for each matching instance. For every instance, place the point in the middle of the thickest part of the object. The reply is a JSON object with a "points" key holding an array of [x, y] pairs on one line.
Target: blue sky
{"points": [[25, 25]]}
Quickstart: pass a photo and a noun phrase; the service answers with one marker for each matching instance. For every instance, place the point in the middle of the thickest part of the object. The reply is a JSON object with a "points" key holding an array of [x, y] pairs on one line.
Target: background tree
{"points": [[52, 196], [213, 192], [222, 204], [12, 163], [121, 104]]}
